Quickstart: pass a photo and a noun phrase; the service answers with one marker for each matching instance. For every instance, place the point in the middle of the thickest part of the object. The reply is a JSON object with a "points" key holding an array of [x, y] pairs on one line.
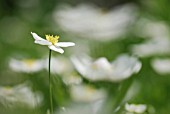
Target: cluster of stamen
{"points": [[52, 39]]}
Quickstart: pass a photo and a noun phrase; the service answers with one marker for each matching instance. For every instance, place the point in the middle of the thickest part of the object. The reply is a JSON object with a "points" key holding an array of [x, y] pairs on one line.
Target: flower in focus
{"points": [[26, 65], [161, 66], [135, 108], [86, 93], [101, 69], [19, 94], [52, 42], [89, 21], [158, 46]]}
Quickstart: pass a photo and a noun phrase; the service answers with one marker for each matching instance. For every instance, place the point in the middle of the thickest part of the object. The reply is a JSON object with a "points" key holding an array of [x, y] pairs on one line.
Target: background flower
{"points": [[152, 47], [85, 93], [10, 96], [101, 69], [136, 108], [161, 66], [26, 65], [90, 21], [60, 65]]}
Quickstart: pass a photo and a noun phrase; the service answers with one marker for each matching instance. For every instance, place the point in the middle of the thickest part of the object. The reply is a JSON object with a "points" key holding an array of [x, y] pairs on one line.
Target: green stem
{"points": [[50, 84], [122, 93], [113, 102]]}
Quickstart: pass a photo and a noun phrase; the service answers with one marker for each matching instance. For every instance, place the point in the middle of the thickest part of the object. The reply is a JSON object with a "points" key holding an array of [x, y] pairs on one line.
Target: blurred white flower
{"points": [[82, 108], [88, 21], [71, 79], [52, 42], [152, 29], [60, 65], [158, 44], [152, 47], [22, 93], [86, 93], [135, 108], [161, 66], [123, 67], [26, 65]]}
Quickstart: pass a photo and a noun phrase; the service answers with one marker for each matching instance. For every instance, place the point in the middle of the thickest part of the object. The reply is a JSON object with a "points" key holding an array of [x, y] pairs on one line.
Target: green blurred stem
{"points": [[114, 102], [50, 84], [122, 93]]}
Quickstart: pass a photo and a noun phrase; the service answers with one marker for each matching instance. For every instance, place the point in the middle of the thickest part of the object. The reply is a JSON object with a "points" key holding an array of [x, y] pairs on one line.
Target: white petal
{"points": [[15, 65], [57, 49], [161, 66], [79, 65], [39, 40], [42, 42], [65, 44], [36, 37]]}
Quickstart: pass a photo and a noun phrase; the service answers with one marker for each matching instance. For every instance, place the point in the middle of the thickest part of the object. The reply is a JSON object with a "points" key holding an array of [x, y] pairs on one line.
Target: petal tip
{"points": [[74, 44], [62, 52]]}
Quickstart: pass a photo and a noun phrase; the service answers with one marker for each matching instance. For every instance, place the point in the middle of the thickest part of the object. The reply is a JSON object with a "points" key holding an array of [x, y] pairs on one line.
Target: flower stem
{"points": [[122, 93], [114, 102], [50, 84]]}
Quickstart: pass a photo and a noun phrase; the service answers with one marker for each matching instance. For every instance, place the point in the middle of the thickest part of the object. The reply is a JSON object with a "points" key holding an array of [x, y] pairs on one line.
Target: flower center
{"points": [[52, 39], [94, 66], [90, 89], [29, 62]]}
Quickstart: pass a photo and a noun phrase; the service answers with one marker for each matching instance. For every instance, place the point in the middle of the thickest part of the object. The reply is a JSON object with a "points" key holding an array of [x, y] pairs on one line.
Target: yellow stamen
{"points": [[52, 39], [29, 62]]}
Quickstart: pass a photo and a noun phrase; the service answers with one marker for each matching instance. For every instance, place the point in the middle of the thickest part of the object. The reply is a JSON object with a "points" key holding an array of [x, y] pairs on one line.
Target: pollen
{"points": [[52, 39]]}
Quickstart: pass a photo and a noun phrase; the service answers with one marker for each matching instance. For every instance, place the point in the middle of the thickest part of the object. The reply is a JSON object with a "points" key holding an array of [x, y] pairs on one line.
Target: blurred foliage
{"points": [[18, 18]]}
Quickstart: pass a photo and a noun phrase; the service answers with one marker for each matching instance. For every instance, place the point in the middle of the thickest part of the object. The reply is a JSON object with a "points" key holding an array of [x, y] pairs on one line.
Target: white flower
{"points": [[19, 94], [52, 42], [71, 79], [88, 21], [135, 108], [158, 44], [82, 108], [152, 29], [152, 47], [26, 65], [60, 65], [161, 66], [86, 93], [123, 67]]}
